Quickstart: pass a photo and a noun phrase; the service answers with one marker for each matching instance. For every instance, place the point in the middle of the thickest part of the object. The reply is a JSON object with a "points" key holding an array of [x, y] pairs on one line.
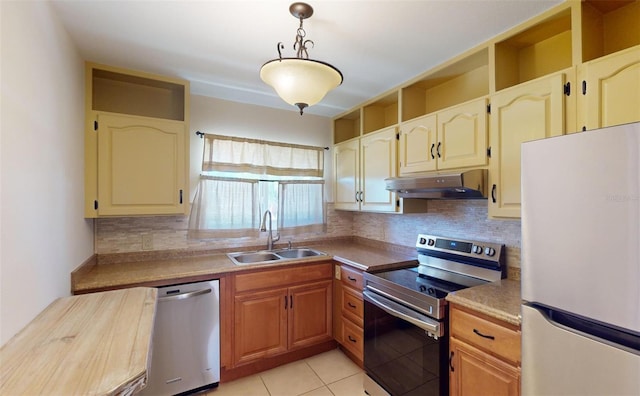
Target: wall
{"points": [[223, 117], [220, 117], [43, 233], [463, 219]]}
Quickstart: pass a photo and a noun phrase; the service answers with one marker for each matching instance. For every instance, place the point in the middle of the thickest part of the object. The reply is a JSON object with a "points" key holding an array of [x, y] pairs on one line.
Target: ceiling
{"points": [[219, 46]]}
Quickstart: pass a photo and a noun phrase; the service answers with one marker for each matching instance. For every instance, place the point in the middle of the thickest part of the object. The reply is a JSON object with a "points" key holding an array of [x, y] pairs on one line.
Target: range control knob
{"points": [[489, 251], [431, 242], [477, 249], [422, 241]]}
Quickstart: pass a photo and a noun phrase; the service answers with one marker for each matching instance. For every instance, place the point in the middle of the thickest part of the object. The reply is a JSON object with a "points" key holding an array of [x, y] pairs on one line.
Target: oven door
{"points": [[405, 352]]}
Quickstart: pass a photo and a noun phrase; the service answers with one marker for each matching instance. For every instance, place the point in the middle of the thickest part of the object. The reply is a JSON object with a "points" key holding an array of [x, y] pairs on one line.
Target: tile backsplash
{"points": [[449, 218]]}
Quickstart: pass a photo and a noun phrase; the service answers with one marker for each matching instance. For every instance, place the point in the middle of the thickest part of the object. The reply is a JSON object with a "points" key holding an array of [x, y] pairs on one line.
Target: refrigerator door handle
{"points": [[616, 337]]}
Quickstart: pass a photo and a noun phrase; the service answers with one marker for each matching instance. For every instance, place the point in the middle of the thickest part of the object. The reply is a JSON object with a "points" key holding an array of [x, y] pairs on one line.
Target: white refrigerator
{"points": [[581, 263]]}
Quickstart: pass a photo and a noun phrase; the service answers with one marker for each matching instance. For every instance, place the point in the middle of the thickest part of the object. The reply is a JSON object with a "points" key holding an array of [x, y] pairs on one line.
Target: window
{"points": [[242, 178]]}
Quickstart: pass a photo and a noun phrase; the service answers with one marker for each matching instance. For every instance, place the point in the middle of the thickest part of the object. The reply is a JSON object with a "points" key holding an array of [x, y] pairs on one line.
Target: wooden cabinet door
{"points": [[462, 136], [473, 373], [377, 162], [530, 111], [310, 312], [612, 90], [141, 165], [260, 324], [418, 145], [346, 167]]}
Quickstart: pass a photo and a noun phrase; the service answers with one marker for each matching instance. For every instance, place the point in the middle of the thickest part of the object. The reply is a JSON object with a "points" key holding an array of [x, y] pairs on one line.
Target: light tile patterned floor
{"points": [[328, 374]]}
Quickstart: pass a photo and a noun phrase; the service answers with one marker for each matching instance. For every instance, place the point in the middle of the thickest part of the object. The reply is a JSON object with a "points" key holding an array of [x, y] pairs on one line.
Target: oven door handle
{"points": [[404, 313]]}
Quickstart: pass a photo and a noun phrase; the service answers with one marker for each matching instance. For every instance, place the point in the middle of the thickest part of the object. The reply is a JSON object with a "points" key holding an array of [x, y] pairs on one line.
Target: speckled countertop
{"points": [[500, 300], [165, 268]]}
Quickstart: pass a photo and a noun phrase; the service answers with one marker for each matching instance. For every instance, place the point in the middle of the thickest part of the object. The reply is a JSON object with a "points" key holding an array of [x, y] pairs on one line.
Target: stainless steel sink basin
{"points": [[298, 253], [252, 257], [266, 256]]}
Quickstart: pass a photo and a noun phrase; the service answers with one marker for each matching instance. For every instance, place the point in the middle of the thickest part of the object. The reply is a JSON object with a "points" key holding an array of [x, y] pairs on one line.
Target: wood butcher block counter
{"points": [[165, 268], [95, 344]]}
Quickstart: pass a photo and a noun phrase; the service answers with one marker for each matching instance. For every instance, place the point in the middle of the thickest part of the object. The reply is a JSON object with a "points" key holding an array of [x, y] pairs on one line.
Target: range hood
{"points": [[470, 184]]}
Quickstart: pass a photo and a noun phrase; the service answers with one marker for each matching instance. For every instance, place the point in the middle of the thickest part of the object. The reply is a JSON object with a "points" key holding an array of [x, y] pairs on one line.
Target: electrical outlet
{"points": [[147, 242], [337, 272]]}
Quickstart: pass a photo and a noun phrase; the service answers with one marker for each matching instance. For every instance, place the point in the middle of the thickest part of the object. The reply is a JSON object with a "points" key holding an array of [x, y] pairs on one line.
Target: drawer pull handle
{"points": [[351, 339], [351, 279], [451, 362], [484, 335], [351, 305]]}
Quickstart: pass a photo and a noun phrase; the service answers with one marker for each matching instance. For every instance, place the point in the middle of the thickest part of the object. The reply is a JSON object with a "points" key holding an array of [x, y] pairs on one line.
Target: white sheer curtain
{"points": [[301, 208], [225, 208], [232, 154], [240, 181]]}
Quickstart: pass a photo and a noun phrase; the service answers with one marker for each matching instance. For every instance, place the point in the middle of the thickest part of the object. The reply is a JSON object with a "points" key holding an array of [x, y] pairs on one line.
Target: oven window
{"points": [[402, 358]]}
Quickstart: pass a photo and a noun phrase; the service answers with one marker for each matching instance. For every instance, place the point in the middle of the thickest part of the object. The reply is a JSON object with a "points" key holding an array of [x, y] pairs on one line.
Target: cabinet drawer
{"points": [[353, 337], [352, 305], [351, 277], [282, 277], [489, 336]]}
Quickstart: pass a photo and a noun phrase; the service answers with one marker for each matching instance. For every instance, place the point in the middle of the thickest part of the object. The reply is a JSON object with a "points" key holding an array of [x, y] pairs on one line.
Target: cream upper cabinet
{"points": [[346, 167], [360, 167], [418, 139], [136, 143], [530, 111], [452, 138], [610, 92], [140, 165], [462, 135], [377, 162]]}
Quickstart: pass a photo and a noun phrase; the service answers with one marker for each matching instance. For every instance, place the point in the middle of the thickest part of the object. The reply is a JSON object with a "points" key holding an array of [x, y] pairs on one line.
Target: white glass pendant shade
{"points": [[300, 81]]}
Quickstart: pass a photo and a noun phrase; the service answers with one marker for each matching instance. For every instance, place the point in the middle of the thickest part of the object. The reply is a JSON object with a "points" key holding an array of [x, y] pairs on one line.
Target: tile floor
{"points": [[327, 374]]}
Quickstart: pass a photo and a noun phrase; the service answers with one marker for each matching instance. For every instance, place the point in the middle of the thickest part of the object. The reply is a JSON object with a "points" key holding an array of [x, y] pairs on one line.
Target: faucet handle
{"points": [[289, 244]]}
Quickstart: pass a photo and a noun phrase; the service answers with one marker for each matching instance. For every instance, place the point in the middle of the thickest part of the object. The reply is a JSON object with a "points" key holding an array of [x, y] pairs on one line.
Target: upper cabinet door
{"points": [[141, 165], [462, 136], [378, 162], [612, 90], [418, 139], [346, 168], [529, 111]]}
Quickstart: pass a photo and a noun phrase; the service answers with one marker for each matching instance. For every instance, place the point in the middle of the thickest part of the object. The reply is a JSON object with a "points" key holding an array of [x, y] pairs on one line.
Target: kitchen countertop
{"points": [[94, 344], [158, 271], [500, 300]]}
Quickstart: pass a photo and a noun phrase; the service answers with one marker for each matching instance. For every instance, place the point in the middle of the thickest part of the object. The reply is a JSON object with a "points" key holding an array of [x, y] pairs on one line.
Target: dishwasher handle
{"points": [[183, 296]]}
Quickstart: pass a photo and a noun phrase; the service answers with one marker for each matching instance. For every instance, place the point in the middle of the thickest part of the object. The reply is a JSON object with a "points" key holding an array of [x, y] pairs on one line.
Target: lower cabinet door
{"points": [[310, 314], [260, 325], [475, 373]]}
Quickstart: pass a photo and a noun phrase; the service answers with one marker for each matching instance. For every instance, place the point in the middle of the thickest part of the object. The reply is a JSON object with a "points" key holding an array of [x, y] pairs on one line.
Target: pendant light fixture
{"points": [[300, 81]]}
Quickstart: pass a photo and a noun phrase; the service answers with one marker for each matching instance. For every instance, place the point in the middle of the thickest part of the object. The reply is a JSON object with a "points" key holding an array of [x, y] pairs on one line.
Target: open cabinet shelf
{"points": [[134, 95], [537, 50], [456, 82], [347, 127], [380, 114], [608, 27]]}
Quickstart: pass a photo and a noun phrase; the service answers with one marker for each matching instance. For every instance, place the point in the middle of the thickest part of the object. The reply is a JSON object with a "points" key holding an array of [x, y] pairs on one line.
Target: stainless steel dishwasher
{"points": [[186, 339]]}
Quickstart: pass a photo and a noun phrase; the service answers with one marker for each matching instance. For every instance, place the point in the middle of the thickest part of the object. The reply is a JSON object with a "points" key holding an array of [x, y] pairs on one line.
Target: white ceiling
{"points": [[220, 45]]}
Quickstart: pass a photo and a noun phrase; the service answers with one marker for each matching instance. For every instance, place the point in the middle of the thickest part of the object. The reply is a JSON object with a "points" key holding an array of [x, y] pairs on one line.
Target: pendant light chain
{"points": [[300, 43]]}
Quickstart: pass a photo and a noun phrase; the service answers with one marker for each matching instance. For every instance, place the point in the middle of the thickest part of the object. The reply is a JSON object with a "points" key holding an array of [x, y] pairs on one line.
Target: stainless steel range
{"points": [[406, 333]]}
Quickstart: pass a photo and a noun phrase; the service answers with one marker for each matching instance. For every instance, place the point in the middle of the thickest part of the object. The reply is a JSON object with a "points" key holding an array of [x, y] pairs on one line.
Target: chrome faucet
{"points": [[263, 228]]}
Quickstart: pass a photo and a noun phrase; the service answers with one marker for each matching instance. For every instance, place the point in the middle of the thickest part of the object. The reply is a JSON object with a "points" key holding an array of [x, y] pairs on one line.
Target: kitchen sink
{"points": [[298, 253], [266, 256], [253, 257]]}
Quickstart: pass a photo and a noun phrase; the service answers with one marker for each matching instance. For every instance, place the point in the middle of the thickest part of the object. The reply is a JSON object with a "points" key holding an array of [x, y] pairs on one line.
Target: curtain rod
{"points": [[201, 134]]}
